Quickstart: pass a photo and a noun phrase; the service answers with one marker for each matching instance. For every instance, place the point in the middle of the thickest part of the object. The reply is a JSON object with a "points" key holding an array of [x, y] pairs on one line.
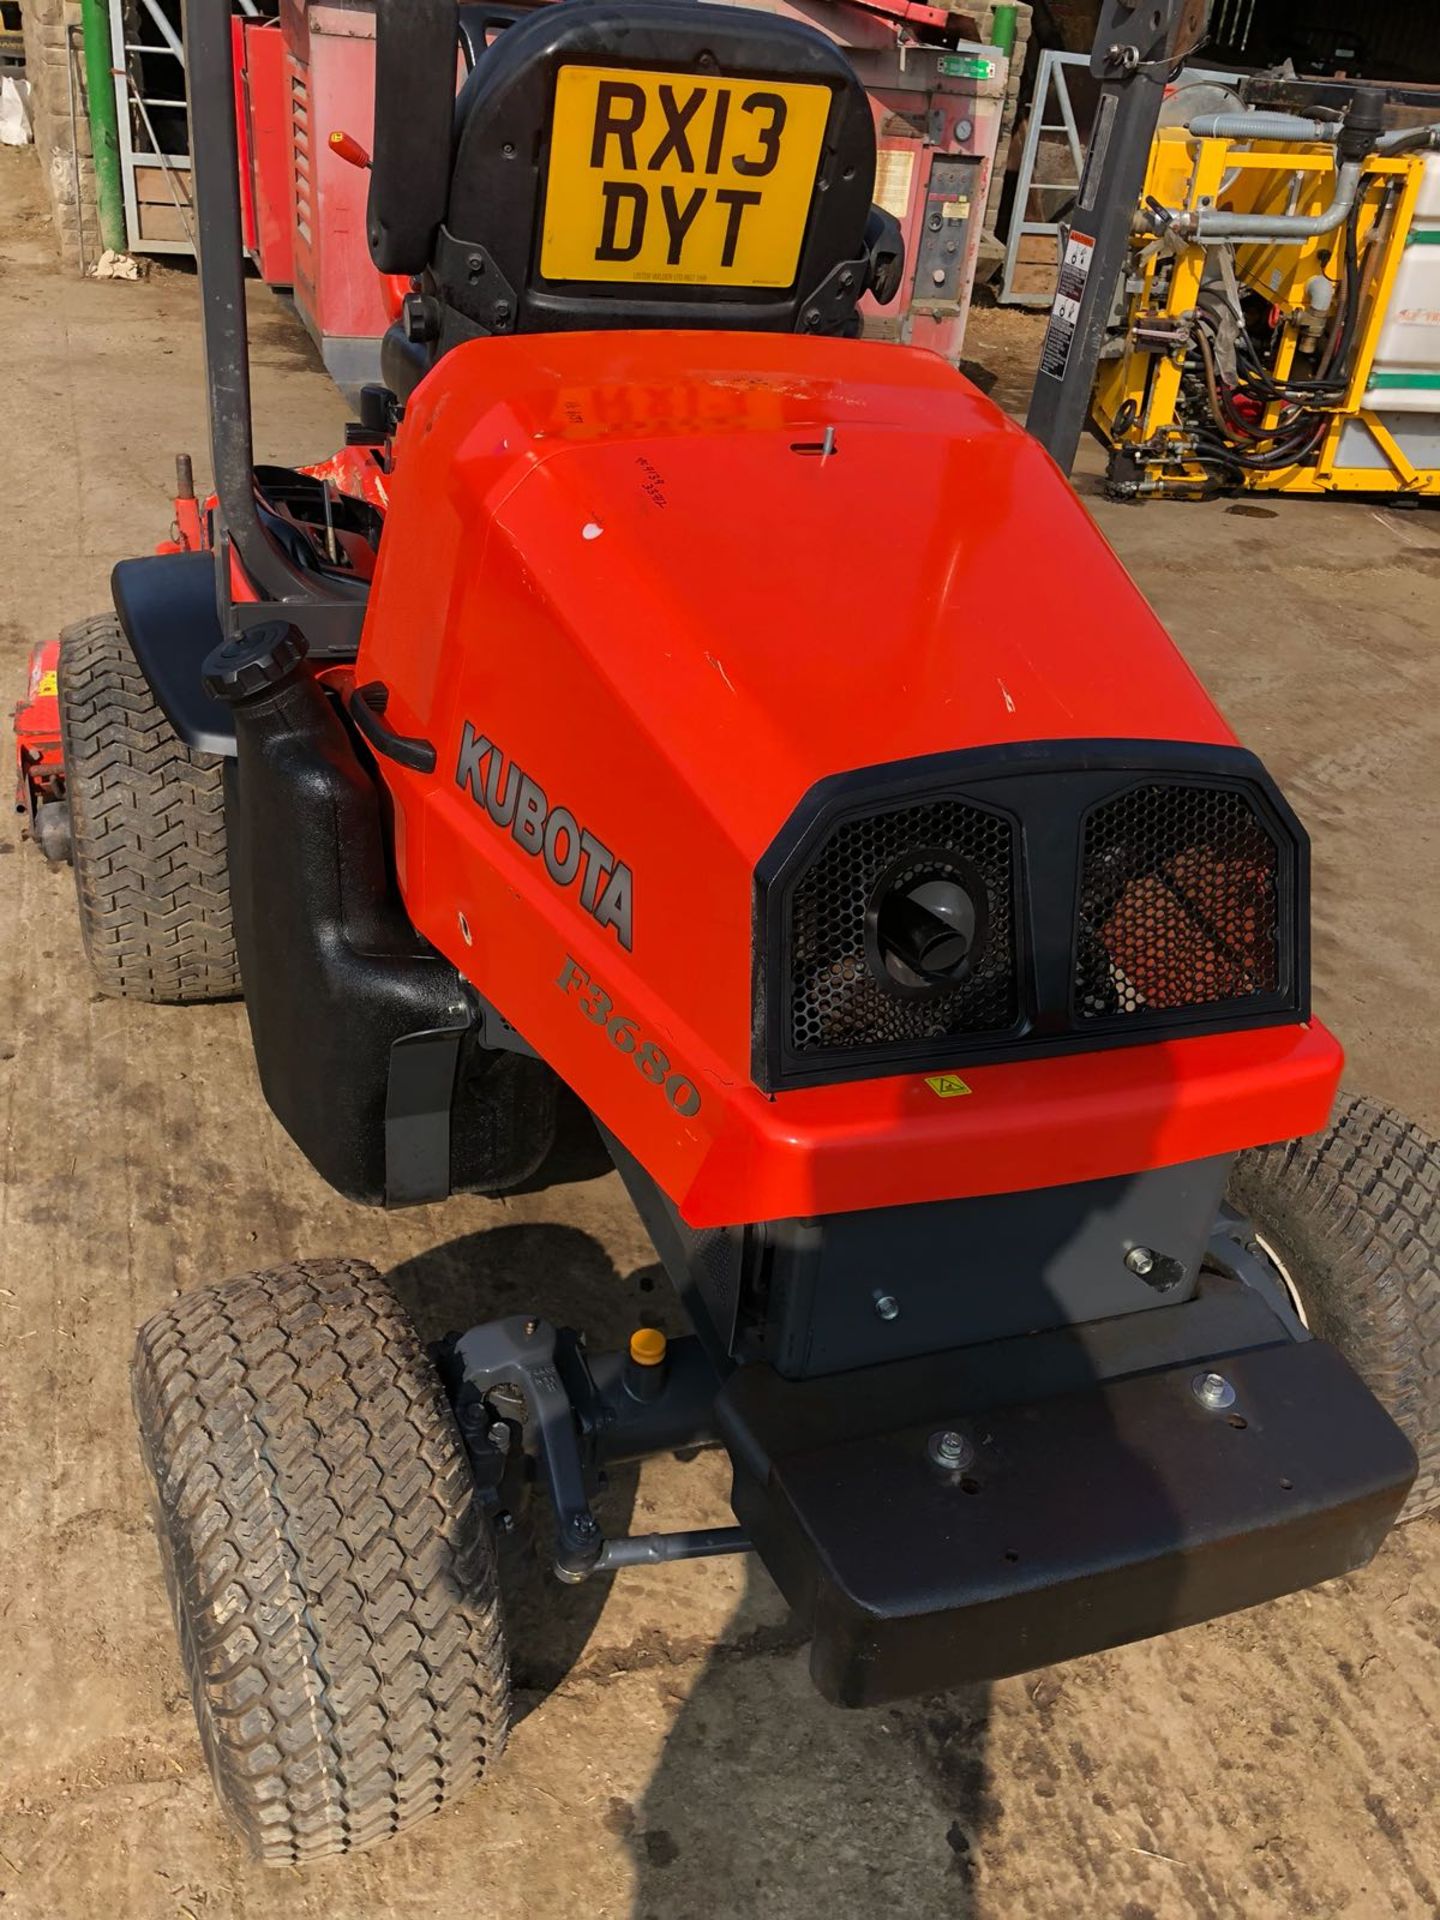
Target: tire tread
{"points": [[1356, 1209], [148, 828], [332, 1575]]}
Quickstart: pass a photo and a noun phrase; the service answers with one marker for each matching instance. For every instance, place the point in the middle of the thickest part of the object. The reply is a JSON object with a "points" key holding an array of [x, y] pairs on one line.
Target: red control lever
{"points": [[345, 147]]}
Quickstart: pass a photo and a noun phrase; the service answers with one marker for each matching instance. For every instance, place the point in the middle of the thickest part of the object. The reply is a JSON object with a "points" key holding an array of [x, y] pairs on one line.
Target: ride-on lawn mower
{"points": [[674, 698]]}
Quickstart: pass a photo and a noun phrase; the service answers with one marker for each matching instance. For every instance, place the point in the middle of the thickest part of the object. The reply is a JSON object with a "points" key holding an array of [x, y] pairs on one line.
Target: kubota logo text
{"points": [[571, 852]]}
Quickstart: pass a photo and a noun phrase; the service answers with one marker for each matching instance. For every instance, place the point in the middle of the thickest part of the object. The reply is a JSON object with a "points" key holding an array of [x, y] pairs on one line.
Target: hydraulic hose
{"points": [[1209, 227], [1263, 126], [1237, 444], [1409, 139]]}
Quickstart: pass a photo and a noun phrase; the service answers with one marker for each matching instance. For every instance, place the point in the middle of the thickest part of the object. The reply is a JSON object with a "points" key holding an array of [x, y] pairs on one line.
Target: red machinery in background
{"points": [[40, 756], [265, 131], [310, 73]]}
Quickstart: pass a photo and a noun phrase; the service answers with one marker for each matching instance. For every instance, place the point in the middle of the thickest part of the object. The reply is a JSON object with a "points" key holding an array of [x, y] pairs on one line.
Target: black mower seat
{"points": [[613, 165]]}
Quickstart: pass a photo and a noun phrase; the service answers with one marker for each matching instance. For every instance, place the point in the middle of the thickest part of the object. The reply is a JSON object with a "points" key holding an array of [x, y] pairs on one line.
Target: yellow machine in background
{"points": [[1279, 326]]}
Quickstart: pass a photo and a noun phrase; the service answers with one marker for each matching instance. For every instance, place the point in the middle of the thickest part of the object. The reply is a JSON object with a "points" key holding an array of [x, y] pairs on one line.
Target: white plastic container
{"points": [[1405, 377]]}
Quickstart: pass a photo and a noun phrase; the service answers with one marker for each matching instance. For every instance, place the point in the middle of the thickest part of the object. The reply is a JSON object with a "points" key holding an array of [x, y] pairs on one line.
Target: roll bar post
{"points": [[327, 610]]}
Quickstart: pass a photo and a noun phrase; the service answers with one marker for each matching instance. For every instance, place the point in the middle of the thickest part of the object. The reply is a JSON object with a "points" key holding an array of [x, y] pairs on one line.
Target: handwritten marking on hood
{"points": [[591, 530], [1005, 695], [721, 671]]}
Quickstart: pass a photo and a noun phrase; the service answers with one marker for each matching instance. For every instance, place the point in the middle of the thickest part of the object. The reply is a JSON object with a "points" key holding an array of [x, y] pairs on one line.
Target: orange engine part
{"points": [[661, 584]]}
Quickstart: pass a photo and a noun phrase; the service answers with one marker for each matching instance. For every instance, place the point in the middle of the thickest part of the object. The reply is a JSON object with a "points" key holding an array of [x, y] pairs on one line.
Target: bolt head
{"points": [[1213, 1391], [887, 1306], [583, 1525], [951, 1450], [1140, 1260]]}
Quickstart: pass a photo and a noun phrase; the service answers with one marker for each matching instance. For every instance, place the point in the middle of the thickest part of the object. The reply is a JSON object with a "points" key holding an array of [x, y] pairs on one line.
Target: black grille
{"points": [[1179, 903], [1115, 892], [839, 1002]]}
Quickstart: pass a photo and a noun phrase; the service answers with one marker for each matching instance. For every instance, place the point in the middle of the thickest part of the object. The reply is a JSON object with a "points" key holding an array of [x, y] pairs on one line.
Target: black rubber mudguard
{"points": [[167, 606]]}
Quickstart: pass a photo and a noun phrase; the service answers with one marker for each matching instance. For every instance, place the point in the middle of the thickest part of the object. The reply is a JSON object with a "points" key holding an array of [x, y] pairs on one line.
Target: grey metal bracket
{"points": [[495, 1032], [1234, 1251], [520, 1352]]}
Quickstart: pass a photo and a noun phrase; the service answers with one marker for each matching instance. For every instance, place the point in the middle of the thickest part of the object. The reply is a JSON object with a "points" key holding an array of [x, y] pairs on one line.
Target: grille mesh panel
{"points": [[1178, 903], [837, 1004]]}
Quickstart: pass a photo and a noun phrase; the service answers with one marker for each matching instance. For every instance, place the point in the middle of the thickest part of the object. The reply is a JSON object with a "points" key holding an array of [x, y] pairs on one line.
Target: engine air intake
{"points": [[904, 931], [1178, 903], [1035, 899]]}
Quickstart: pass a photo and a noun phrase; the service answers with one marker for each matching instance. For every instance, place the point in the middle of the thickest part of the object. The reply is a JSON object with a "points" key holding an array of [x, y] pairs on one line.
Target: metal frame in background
{"points": [[133, 112], [1137, 48], [1051, 74]]}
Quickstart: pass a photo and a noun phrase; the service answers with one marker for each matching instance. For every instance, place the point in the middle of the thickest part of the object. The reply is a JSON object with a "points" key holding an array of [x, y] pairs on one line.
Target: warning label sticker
{"points": [[894, 170], [1065, 312], [946, 1085]]}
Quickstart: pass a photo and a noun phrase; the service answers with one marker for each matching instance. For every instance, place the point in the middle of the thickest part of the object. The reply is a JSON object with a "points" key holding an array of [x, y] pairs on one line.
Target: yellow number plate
{"points": [[671, 178]]}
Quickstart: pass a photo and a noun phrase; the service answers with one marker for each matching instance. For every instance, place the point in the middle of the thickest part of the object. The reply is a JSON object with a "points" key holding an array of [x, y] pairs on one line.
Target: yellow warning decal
{"points": [[47, 686], [947, 1085]]}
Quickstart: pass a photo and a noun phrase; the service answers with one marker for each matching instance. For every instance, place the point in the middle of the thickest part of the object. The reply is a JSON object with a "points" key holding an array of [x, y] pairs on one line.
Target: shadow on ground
{"points": [[888, 1808], [755, 1765]]}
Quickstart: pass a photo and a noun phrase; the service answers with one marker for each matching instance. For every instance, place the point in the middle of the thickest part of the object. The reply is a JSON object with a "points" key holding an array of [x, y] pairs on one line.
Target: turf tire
{"points": [[148, 829], [1354, 1214], [332, 1576]]}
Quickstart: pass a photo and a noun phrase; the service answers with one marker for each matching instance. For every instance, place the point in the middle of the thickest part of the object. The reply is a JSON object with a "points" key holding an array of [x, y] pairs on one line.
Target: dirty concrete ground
{"points": [[671, 1759]]}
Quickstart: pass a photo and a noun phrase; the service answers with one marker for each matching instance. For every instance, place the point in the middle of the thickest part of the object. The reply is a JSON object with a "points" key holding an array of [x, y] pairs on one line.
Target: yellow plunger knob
{"points": [[647, 1346]]}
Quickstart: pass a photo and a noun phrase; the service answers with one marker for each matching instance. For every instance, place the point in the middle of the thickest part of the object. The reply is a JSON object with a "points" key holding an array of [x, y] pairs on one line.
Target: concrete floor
{"points": [[672, 1759]]}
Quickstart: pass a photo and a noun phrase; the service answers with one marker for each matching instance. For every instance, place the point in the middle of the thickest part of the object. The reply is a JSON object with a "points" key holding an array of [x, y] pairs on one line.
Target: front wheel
{"points": [[1352, 1218], [332, 1576]]}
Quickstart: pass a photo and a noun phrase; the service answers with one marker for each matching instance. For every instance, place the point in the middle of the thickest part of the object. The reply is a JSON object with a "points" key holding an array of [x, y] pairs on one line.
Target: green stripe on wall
{"points": [[1428, 382]]}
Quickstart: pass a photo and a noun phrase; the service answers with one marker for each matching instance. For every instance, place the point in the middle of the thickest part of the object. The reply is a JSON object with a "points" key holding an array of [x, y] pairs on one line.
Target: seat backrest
{"points": [[623, 163]]}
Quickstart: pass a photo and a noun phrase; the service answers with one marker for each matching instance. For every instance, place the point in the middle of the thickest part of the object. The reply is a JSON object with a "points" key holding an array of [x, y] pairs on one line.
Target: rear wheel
{"points": [[1352, 1218], [148, 830], [332, 1576]]}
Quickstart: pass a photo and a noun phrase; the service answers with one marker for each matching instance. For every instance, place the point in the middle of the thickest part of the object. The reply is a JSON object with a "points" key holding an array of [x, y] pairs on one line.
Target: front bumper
{"points": [[1102, 1503], [1023, 1124]]}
